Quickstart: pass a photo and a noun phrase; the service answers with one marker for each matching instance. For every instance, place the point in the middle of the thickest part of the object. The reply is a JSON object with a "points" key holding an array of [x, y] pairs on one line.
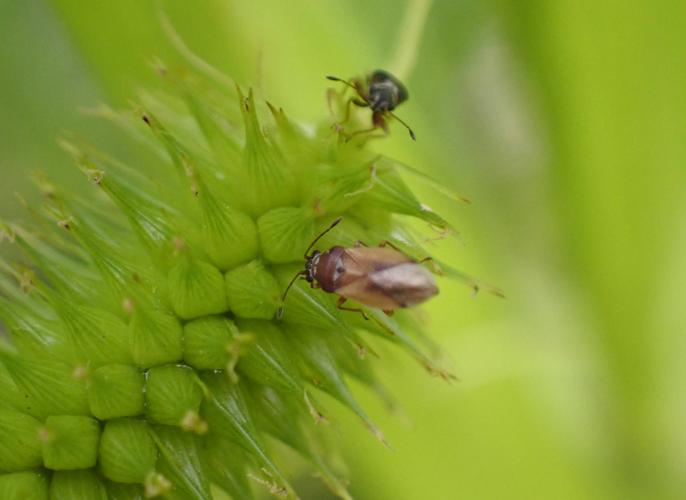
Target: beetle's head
{"points": [[311, 265]]}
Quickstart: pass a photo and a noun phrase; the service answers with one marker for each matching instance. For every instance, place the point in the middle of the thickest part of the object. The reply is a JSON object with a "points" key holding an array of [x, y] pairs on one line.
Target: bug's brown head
{"points": [[310, 273], [326, 268]]}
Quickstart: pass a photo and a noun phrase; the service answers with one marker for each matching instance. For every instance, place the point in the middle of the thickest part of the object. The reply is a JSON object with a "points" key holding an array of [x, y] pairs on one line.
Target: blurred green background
{"points": [[564, 121]]}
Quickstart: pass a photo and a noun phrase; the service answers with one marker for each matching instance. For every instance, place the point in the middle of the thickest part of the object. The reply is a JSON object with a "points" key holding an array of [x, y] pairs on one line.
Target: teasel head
{"points": [[144, 356]]}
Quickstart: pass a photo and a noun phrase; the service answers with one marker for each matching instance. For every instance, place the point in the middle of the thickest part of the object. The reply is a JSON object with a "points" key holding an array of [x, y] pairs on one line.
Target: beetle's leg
{"points": [[388, 312], [341, 301], [315, 285], [360, 243]]}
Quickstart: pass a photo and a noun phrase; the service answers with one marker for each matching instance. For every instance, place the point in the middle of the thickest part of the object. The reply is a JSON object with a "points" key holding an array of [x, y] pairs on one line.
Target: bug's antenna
{"points": [[279, 311], [405, 124], [336, 79], [333, 224]]}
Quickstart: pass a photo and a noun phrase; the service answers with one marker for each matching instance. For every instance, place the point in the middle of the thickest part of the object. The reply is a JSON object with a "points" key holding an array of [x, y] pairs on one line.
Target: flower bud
{"points": [[51, 387], [323, 369], [252, 291], [268, 360], [285, 233], [227, 412], [122, 491], [12, 398], [127, 451], [76, 485], [156, 338], [116, 391], [24, 486], [391, 194], [171, 392], [266, 179], [226, 462], [20, 447], [70, 442], [228, 236], [31, 334], [206, 342], [196, 288], [149, 218], [99, 337], [180, 462]]}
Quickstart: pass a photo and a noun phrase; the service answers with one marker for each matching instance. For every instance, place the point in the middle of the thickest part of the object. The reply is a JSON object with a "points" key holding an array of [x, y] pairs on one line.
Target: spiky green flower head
{"points": [[145, 358]]}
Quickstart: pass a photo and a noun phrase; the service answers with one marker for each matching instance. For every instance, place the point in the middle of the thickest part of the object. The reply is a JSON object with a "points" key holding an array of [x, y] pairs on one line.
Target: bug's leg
{"points": [[388, 312], [443, 233], [360, 243], [357, 102], [330, 95], [386, 243], [346, 116], [338, 126], [378, 122], [434, 265], [341, 301], [364, 131], [315, 285]]}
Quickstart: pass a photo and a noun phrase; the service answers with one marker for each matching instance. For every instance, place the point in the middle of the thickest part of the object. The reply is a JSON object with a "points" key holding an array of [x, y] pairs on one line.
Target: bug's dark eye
{"points": [[340, 270]]}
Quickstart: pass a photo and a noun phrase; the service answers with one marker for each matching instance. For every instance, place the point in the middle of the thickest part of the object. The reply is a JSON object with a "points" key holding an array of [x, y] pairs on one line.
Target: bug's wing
{"points": [[365, 292], [407, 284], [366, 260], [403, 285]]}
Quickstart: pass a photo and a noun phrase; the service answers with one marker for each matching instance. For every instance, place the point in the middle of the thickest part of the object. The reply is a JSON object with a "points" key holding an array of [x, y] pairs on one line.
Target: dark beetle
{"points": [[380, 91], [380, 277]]}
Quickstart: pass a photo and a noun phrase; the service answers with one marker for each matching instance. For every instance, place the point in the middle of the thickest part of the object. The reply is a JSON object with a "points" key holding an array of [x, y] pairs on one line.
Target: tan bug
{"points": [[382, 277]]}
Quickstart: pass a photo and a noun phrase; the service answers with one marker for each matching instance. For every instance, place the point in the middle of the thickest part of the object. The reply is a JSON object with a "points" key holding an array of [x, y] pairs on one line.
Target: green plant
{"points": [[145, 357]]}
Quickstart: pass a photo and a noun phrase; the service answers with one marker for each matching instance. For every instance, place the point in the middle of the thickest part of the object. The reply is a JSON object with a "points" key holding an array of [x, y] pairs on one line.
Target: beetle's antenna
{"points": [[333, 224], [336, 79], [405, 124], [279, 311]]}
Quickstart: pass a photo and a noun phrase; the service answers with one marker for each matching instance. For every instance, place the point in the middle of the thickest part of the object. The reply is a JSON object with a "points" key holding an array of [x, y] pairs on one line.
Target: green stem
{"points": [[409, 37]]}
